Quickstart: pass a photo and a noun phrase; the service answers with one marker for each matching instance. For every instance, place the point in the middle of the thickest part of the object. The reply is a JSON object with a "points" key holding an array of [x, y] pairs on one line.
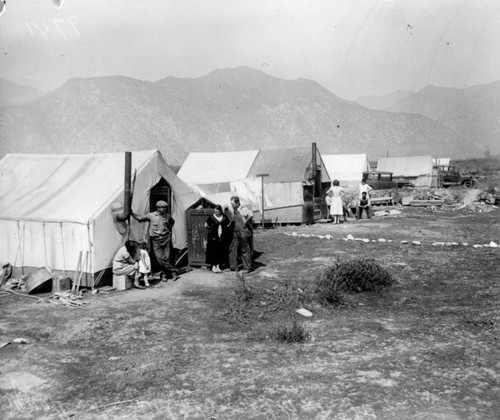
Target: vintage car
{"points": [[380, 180], [450, 176]]}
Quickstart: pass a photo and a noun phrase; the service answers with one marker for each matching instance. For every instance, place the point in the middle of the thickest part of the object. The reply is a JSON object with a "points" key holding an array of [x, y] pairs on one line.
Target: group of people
{"points": [[229, 237], [336, 206], [133, 259]]}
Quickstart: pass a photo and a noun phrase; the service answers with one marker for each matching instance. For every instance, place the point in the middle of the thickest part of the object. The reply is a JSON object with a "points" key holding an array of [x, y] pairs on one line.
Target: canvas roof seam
{"points": [[52, 155], [40, 220]]}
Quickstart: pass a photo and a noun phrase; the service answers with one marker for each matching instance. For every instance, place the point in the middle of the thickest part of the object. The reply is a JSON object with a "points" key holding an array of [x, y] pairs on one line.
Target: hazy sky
{"points": [[351, 47]]}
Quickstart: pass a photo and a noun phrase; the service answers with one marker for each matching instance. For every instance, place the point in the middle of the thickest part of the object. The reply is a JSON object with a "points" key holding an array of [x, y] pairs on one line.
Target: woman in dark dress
{"points": [[217, 239]]}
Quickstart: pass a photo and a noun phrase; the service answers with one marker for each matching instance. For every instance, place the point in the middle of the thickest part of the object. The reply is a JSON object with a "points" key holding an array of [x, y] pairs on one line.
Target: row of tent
{"points": [[52, 207], [217, 175]]}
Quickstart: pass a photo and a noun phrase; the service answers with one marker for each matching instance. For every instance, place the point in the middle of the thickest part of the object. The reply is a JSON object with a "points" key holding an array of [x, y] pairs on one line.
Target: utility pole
{"points": [[262, 197]]}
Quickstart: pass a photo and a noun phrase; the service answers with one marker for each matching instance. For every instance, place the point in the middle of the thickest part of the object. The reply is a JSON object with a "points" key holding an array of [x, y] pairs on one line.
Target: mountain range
{"points": [[14, 94], [231, 109], [473, 112]]}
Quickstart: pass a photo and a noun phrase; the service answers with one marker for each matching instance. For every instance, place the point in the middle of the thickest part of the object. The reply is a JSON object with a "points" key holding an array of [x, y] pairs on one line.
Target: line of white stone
{"points": [[382, 240]]}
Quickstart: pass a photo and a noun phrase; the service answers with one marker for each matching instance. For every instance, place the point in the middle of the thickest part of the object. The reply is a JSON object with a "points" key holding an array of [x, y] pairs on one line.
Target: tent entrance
{"points": [[161, 191]]}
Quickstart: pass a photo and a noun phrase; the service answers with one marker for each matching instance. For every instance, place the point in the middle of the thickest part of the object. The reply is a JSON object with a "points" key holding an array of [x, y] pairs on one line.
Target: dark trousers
{"points": [[163, 250], [243, 245], [359, 212]]}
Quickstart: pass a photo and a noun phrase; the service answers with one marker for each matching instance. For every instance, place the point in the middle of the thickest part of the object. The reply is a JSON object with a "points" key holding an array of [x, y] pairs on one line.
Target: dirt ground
{"points": [[426, 349]]}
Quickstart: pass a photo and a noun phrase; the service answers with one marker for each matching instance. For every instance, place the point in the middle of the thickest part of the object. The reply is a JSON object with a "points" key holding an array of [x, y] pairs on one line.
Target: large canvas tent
{"points": [[289, 187], [347, 169], [54, 206], [418, 168]]}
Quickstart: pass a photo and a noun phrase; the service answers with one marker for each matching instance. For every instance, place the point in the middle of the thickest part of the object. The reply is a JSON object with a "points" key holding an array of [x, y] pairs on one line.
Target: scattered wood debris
{"points": [[69, 299]]}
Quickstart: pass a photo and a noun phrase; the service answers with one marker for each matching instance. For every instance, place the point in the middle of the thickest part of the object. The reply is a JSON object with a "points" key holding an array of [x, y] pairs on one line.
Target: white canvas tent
{"points": [[419, 168], [442, 162], [219, 175], [348, 169], [289, 184], [54, 206], [212, 171]]}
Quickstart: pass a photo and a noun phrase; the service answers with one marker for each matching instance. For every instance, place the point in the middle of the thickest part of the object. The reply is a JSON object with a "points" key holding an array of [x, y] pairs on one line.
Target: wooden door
{"points": [[197, 235]]}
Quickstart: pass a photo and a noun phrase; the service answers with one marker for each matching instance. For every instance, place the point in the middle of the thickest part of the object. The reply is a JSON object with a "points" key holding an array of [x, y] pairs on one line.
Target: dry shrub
{"points": [[359, 275], [243, 293], [329, 289], [293, 332]]}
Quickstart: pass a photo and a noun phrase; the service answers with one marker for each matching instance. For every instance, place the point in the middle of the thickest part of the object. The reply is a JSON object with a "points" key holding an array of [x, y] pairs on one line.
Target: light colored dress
{"points": [[144, 262], [336, 208]]}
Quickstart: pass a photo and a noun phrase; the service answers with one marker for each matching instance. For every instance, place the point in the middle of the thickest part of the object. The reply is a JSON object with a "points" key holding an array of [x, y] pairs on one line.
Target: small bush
{"points": [[328, 287], [286, 297], [294, 333], [359, 275]]}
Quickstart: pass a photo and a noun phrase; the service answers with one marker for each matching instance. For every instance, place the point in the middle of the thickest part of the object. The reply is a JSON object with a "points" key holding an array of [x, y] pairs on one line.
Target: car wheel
{"points": [[469, 184]]}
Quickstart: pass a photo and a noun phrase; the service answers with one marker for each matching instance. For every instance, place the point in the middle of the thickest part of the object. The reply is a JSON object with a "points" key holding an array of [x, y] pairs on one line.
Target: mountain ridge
{"points": [[473, 113], [228, 109], [13, 94]]}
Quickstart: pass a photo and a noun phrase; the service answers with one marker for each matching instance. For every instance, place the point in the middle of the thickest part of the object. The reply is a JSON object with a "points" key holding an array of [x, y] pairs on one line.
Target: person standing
{"points": [[328, 201], [242, 236], [217, 239], [160, 232], [363, 187], [144, 262], [336, 206], [126, 262]]}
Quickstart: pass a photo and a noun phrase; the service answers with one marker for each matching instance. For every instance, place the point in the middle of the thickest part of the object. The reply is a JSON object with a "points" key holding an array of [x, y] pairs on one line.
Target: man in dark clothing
{"points": [[241, 219], [364, 204], [160, 232]]}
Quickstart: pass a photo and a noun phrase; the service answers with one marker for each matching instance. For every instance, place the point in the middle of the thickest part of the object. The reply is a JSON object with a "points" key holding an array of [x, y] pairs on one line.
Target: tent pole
{"points": [[63, 248], [45, 245], [90, 258]]}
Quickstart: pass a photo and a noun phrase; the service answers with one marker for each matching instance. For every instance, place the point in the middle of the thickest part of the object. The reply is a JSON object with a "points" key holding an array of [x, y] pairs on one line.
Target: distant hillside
{"points": [[382, 102], [473, 112], [232, 109], [12, 94]]}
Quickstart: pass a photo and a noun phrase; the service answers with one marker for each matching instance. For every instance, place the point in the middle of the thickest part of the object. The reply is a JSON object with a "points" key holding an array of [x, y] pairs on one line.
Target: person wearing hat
{"points": [[160, 232]]}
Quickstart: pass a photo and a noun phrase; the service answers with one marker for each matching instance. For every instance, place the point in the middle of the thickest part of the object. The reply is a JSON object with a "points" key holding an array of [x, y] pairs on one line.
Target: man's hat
{"points": [[161, 203]]}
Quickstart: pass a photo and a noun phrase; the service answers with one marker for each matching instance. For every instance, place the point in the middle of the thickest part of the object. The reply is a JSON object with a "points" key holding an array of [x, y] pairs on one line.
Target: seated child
{"points": [[144, 263]]}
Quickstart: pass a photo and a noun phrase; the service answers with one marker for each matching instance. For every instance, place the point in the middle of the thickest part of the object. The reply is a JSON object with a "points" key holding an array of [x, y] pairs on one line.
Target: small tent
{"points": [[443, 163], [54, 206], [347, 169], [419, 169]]}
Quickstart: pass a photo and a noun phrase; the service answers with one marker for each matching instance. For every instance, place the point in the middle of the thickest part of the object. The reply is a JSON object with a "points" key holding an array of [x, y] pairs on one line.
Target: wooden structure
{"points": [[196, 216]]}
